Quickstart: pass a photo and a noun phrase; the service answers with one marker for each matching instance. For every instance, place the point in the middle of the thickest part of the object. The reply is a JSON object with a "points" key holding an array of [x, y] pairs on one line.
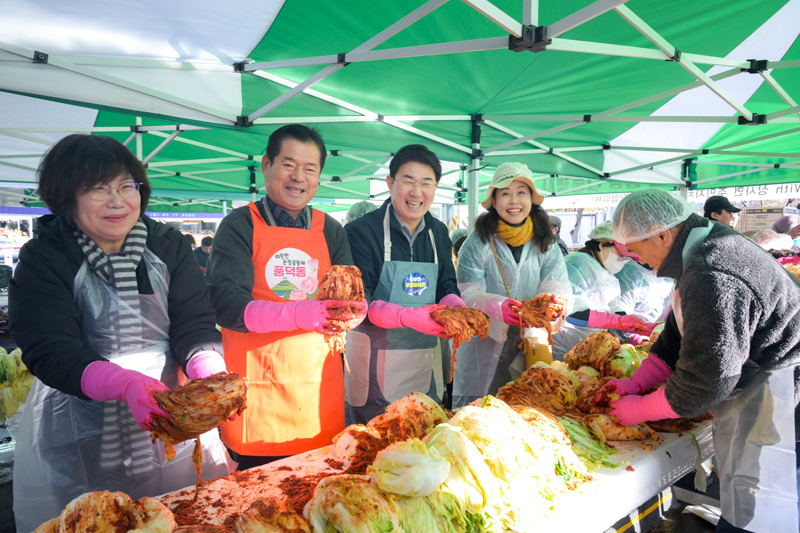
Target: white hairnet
{"points": [[458, 233], [602, 232], [358, 210], [642, 214], [769, 239]]}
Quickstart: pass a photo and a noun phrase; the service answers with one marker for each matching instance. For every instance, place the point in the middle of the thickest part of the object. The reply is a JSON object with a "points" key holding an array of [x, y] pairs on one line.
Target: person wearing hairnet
{"points": [[510, 257], [358, 210], [731, 344], [598, 301], [458, 237]]}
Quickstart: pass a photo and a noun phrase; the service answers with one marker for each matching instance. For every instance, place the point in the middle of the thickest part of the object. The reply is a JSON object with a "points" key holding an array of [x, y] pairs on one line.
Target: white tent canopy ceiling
{"points": [[594, 96]]}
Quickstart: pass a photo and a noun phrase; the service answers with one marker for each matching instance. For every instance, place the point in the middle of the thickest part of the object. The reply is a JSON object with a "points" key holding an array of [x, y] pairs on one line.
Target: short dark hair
{"points": [[415, 153], [297, 132], [190, 238], [206, 241], [78, 161], [719, 211]]}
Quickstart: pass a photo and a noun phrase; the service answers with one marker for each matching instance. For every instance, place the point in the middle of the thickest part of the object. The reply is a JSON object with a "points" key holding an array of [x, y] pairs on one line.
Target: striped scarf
{"points": [[119, 271], [123, 442]]}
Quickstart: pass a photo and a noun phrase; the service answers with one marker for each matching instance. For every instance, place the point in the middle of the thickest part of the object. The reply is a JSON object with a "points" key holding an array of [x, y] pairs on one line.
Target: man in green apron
{"points": [[404, 254], [731, 345]]}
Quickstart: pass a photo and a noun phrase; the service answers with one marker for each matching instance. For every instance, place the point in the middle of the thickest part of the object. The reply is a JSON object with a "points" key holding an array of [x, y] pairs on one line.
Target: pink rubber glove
{"points": [[633, 410], [628, 323], [511, 316], [652, 371], [636, 339], [452, 300], [388, 316], [266, 317], [205, 364], [104, 381]]}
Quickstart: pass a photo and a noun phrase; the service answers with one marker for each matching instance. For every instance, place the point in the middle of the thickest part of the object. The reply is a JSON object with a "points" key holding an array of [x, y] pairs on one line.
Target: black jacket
{"points": [[738, 303], [366, 242], [45, 322]]}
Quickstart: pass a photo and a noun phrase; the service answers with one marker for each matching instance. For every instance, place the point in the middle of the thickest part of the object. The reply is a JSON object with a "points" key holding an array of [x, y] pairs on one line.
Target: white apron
{"points": [[754, 439], [67, 446]]}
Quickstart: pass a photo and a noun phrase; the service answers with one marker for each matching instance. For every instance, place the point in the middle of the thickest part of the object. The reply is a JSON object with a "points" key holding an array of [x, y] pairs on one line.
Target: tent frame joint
{"points": [[341, 59], [705, 151], [676, 56], [757, 66], [606, 147], [39, 57], [336, 179], [755, 121], [533, 39], [477, 154], [243, 121], [240, 66]]}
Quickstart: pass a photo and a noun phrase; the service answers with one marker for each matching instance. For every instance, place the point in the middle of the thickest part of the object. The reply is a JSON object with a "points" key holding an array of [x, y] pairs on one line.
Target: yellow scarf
{"points": [[515, 236]]}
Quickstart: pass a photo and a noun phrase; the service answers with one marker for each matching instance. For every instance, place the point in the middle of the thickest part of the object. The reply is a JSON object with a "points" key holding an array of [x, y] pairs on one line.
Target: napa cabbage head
{"points": [[408, 468]]}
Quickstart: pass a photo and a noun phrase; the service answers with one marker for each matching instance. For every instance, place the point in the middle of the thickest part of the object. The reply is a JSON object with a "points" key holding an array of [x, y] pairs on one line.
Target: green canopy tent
{"points": [[595, 97]]}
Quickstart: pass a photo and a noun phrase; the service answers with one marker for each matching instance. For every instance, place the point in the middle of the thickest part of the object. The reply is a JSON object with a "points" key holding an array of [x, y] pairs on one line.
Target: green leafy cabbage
{"points": [[593, 452]]}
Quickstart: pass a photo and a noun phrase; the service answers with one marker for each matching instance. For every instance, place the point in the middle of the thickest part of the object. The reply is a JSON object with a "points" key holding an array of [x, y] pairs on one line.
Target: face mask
{"points": [[614, 263]]}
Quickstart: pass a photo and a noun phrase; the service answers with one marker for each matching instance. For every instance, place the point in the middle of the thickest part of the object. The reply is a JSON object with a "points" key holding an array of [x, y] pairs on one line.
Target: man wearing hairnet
{"points": [[358, 210], [731, 345]]}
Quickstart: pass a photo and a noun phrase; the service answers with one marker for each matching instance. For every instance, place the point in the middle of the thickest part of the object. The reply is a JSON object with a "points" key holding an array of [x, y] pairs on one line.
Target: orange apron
{"points": [[295, 399]]}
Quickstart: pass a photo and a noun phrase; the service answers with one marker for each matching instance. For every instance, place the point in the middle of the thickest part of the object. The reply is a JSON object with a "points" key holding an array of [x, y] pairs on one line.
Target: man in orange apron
{"points": [[268, 259]]}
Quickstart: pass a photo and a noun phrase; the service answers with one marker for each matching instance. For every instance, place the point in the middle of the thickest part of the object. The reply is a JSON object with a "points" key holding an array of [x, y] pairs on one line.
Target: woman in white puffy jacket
{"points": [[510, 257]]}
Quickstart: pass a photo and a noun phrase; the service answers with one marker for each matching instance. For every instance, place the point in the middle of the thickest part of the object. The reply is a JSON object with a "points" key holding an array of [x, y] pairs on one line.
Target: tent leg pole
{"points": [[139, 149], [474, 185], [224, 208]]}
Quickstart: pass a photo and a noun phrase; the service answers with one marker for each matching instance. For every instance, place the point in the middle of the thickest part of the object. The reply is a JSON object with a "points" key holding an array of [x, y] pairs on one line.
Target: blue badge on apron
{"points": [[415, 284]]}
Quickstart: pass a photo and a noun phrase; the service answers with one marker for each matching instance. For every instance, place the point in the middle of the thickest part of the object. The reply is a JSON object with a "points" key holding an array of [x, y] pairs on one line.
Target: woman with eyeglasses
{"points": [[511, 256], [598, 303], [107, 306]]}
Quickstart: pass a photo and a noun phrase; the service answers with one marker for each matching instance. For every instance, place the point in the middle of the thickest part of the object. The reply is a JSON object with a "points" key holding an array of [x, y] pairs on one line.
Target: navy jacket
{"points": [[366, 243]]}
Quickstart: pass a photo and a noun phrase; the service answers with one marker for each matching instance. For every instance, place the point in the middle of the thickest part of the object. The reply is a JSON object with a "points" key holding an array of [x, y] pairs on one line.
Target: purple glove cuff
{"points": [[452, 300], [205, 364]]}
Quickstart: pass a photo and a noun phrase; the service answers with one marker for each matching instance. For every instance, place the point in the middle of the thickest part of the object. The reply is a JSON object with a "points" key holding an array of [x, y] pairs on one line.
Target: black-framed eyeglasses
{"points": [[101, 193]]}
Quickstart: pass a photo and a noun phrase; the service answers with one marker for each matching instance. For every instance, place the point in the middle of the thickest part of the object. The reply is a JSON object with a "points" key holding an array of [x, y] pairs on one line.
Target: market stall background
{"points": [[600, 97]]}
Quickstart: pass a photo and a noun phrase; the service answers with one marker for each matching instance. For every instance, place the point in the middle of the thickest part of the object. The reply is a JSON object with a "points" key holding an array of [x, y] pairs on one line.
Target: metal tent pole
{"points": [[477, 155]]}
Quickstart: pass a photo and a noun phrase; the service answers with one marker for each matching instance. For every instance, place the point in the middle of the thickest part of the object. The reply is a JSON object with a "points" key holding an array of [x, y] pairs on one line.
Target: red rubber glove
{"points": [[628, 323], [510, 315], [104, 381], [652, 371], [205, 364], [633, 410], [388, 316]]}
